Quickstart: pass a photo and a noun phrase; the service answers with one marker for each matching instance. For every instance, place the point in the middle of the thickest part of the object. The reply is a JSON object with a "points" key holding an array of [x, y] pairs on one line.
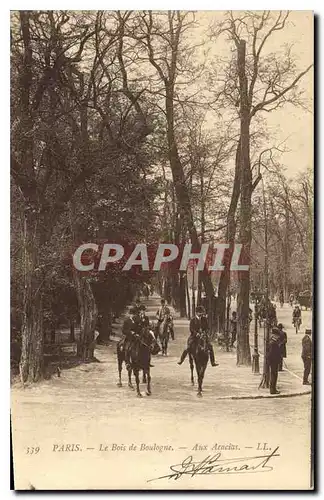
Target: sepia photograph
{"points": [[162, 250]]}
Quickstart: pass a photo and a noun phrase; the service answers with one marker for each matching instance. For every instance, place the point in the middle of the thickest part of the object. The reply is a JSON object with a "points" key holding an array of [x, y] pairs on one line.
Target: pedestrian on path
{"points": [[273, 358], [307, 355], [283, 342]]}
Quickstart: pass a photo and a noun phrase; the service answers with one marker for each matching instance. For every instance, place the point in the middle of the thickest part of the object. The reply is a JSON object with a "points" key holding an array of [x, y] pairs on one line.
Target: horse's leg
{"points": [[129, 369], [201, 377], [191, 369], [144, 377], [120, 367], [148, 389], [137, 383]]}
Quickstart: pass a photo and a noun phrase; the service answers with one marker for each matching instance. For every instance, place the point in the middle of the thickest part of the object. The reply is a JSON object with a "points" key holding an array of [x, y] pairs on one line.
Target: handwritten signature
{"points": [[217, 465]]}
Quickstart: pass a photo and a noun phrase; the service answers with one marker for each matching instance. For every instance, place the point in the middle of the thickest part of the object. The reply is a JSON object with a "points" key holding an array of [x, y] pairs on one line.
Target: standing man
{"points": [[283, 342], [273, 357], [198, 324], [307, 355]]}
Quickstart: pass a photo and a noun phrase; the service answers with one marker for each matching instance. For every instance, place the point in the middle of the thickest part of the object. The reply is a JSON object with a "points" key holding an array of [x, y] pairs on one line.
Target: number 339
{"points": [[32, 450]]}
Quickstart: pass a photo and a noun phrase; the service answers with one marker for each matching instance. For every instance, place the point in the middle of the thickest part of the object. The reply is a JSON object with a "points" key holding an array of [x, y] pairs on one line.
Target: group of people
{"points": [[277, 351]]}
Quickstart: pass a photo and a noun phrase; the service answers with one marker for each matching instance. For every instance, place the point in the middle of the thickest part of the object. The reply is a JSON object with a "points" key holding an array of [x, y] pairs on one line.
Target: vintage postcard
{"points": [[162, 250]]}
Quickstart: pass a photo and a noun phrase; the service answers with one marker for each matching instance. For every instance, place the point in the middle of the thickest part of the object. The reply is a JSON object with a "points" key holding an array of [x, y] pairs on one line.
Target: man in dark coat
{"points": [[273, 358], [307, 355], [283, 342], [198, 324]]}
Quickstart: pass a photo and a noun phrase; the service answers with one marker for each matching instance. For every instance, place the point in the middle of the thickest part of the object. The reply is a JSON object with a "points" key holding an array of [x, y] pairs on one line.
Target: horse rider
{"points": [[160, 315], [233, 328], [169, 320], [281, 298], [273, 358], [296, 314], [132, 330], [197, 325]]}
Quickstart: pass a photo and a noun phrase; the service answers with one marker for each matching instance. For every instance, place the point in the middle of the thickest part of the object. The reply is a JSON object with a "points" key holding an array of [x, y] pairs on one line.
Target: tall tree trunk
{"points": [[243, 346], [88, 314], [180, 186], [230, 239]]}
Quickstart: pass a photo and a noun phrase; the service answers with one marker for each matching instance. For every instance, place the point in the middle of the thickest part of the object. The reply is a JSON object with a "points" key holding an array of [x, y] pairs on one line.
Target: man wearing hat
{"points": [[197, 325], [273, 358], [307, 355], [283, 342]]}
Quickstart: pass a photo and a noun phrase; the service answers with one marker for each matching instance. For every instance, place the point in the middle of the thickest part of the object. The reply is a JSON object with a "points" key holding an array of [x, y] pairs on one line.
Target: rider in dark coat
{"points": [[273, 358], [283, 343], [197, 325]]}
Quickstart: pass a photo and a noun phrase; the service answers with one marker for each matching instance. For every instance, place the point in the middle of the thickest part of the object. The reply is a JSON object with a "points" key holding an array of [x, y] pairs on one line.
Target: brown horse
{"points": [[137, 356], [198, 355]]}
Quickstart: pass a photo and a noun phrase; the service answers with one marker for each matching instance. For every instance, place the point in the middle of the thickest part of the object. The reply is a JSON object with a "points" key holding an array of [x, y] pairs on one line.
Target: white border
{"points": [[318, 8]]}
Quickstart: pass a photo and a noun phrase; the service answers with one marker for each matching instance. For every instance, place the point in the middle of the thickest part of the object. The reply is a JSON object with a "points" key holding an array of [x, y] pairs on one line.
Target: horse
{"points": [[198, 355], [139, 354], [164, 336]]}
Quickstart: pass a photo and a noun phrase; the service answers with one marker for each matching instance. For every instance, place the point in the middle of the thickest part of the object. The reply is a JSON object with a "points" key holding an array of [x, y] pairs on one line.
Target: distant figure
{"points": [[296, 317], [281, 298], [307, 355], [160, 315], [291, 299], [143, 320], [233, 328], [197, 326], [273, 358], [283, 342]]}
